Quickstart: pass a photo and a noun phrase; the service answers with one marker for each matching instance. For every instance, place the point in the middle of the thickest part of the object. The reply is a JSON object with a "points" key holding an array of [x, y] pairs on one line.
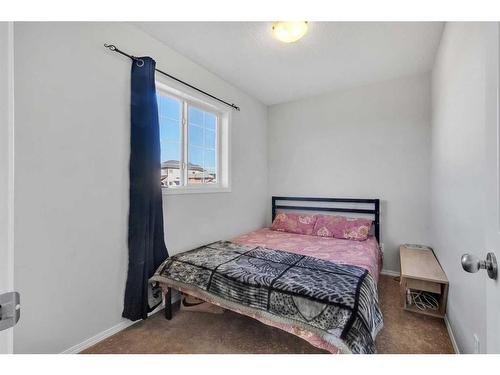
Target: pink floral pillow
{"points": [[294, 223], [342, 227]]}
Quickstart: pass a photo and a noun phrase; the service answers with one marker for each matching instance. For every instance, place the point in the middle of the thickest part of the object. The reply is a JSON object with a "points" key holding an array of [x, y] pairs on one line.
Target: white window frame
{"points": [[223, 142]]}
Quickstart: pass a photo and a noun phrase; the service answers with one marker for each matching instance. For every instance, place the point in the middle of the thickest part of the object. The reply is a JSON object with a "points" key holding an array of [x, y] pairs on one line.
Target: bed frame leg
{"points": [[168, 304]]}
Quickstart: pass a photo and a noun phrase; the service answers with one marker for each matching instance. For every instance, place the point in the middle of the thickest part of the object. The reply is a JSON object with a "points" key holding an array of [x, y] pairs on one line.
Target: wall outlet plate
{"points": [[476, 344]]}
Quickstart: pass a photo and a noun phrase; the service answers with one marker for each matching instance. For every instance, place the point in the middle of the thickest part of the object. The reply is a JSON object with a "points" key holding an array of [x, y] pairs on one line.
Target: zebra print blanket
{"points": [[337, 301]]}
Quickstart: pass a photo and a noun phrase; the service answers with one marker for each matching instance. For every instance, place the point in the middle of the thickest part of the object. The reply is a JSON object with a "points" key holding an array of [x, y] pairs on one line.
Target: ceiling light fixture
{"points": [[289, 32]]}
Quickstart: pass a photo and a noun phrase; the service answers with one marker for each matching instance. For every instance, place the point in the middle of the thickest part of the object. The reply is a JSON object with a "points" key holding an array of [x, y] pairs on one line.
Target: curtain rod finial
{"points": [[112, 47]]}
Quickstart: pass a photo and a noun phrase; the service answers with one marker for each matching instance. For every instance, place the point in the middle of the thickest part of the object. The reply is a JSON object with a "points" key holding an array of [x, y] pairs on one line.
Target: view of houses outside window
{"points": [[200, 143]]}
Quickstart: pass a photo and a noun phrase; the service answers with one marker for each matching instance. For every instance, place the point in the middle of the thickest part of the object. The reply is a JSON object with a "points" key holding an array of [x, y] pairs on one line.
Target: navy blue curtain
{"points": [[146, 243]]}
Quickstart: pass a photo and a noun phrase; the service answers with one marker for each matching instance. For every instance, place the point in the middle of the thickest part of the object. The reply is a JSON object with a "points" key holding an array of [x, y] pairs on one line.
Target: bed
{"points": [[322, 289]]}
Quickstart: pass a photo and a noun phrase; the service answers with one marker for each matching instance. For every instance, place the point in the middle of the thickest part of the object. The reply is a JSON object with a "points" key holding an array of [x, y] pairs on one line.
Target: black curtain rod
{"points": [[138, 60]]}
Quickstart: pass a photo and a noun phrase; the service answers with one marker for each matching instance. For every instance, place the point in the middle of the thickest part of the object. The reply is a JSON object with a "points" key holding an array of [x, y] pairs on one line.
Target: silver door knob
{"points": [[472, 263]]}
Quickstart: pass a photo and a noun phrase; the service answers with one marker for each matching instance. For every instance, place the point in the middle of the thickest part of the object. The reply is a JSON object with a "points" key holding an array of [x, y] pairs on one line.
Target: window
{"points": [[202, 146], [194, 139]]}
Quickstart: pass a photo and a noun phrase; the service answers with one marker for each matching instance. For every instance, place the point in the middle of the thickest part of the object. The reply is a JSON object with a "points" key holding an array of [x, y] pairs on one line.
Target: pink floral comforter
{"points": [[364, 254]]}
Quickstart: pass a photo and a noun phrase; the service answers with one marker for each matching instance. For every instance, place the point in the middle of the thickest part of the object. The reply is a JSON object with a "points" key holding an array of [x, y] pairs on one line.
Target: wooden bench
{"points": [[421, 271]]}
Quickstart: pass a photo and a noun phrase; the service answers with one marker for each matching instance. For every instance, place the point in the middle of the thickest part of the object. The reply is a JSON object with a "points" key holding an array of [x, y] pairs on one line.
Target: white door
{"points": [[492, 186], [6, 174]]}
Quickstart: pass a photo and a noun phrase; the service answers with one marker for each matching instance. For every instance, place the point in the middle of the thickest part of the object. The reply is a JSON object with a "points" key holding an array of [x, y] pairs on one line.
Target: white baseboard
{"points": [[99, 337], [111, 331], [389, 273], [452, 336]]}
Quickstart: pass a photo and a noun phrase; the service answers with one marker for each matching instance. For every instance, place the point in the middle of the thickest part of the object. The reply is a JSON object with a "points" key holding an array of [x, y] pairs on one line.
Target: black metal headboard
{"points": [[375, 211]]}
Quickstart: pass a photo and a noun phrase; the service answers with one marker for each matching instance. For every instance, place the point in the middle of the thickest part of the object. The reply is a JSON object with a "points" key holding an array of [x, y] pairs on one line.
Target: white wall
{"points": [[458, 101], [72, 150], [367, 142]]}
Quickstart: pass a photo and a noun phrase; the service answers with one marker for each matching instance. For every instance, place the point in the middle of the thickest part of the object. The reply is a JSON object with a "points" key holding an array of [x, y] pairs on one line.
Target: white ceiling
{"points": [[331, 56]]}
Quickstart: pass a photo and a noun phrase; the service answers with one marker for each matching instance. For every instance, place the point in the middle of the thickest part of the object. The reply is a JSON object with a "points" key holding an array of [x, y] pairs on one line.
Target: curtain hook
{"points": [[139, 63]]}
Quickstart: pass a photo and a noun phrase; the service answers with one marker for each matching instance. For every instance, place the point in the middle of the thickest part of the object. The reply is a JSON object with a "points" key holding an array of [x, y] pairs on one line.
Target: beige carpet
{"points": [[193, 332]]}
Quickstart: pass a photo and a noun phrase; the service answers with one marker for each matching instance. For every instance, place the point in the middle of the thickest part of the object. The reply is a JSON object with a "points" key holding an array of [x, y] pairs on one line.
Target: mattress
{"points": [[365, 254]]}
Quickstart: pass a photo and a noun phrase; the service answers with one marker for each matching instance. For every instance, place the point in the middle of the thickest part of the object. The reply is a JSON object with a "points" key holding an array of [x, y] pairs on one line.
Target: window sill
{"points": [[194, 190]]}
